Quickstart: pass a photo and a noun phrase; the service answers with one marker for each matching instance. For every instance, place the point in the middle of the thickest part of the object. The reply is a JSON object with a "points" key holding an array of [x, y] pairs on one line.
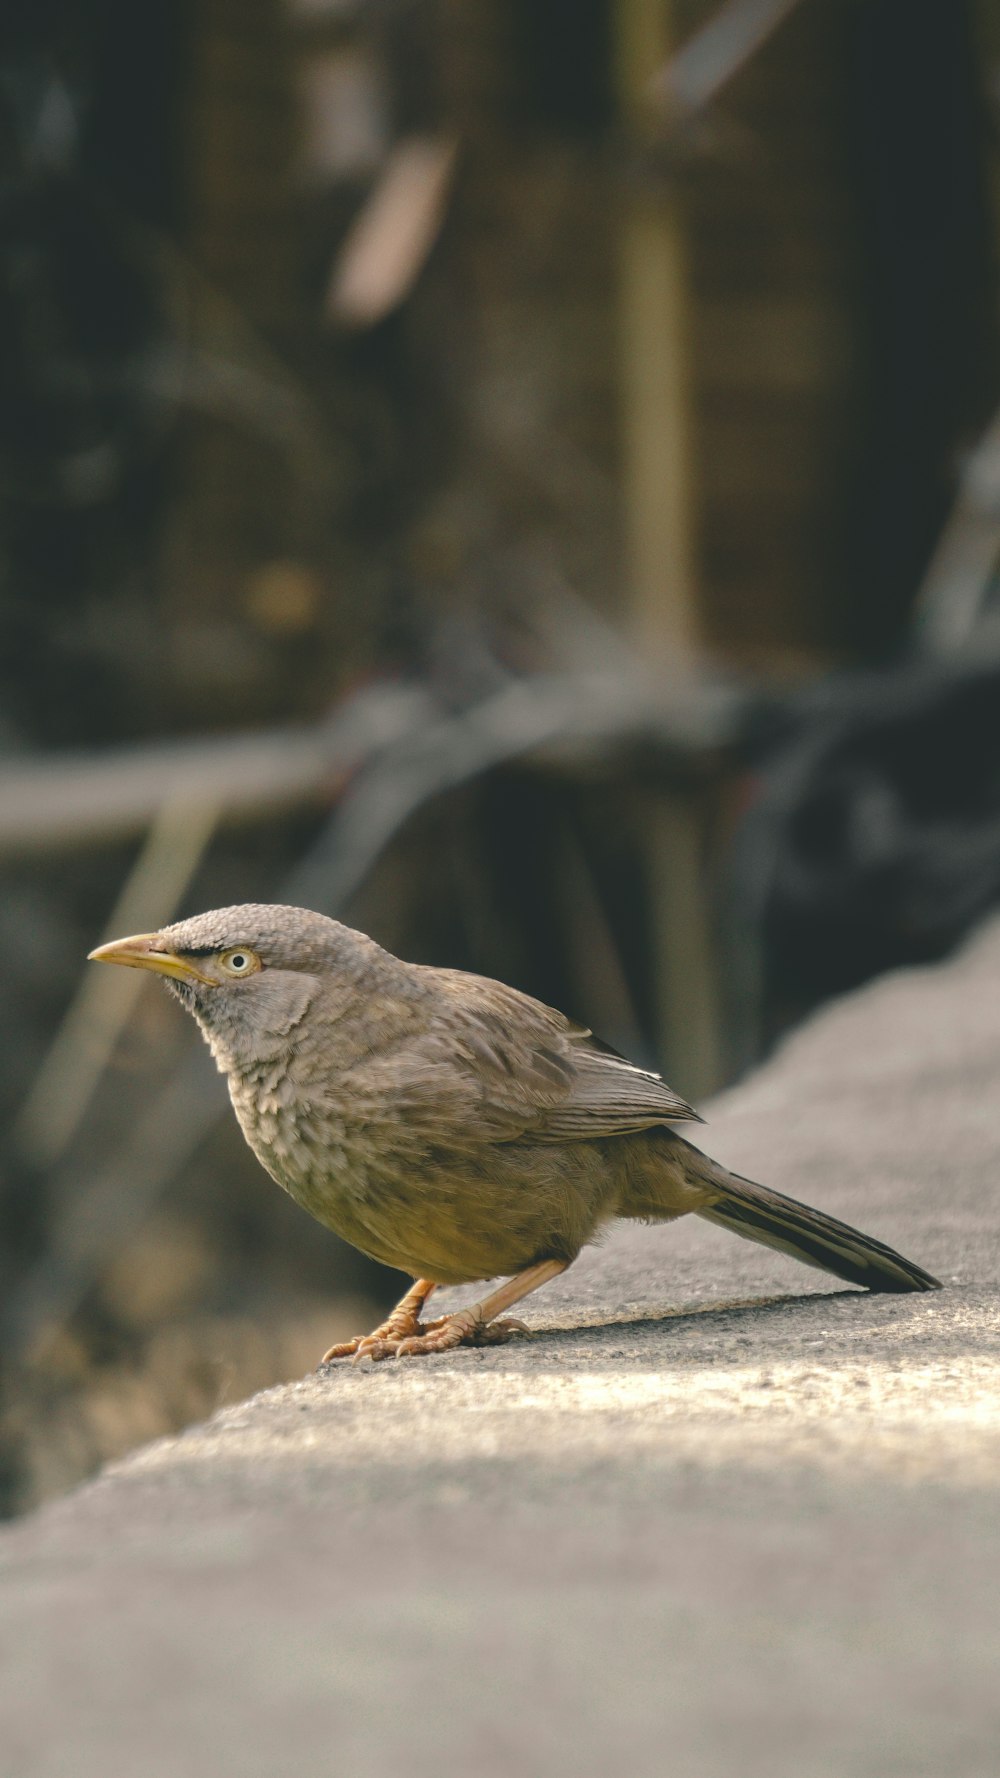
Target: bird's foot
{"points": [[398, 1326], [412, 1339], [403, 1335], [464, 1328]]}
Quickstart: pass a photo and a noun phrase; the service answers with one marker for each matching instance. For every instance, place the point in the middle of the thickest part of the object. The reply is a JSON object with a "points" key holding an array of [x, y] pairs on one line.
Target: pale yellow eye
{"points": [[239, 961]]}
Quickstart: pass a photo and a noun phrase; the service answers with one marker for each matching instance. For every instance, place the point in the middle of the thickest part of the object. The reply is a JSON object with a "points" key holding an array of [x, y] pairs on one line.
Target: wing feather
{"points": [[517, 1069]]}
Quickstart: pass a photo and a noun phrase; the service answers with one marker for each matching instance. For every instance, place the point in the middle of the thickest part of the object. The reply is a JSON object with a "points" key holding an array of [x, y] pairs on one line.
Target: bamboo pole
{"points": [[655, 367], [659, 539]]}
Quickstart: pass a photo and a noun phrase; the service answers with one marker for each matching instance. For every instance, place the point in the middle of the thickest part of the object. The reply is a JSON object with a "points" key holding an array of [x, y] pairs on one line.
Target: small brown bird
{"points": [[449, 1125]]}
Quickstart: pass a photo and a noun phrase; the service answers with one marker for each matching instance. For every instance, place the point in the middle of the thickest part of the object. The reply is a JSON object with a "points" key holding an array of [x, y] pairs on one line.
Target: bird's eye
{"points": [[239, 961]]}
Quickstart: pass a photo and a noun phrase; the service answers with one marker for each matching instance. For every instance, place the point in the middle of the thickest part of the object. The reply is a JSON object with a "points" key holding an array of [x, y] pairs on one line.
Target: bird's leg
{"points": [[476, 1325], [403, 1323]]}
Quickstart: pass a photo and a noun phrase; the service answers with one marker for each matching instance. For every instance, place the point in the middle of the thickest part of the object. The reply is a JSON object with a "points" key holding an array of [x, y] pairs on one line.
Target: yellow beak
{"points": [[147, 951]]}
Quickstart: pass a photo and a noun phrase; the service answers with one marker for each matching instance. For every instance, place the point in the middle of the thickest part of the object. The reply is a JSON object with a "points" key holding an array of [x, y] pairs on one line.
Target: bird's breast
{"points": [[441, 1210], [311, 1148]]}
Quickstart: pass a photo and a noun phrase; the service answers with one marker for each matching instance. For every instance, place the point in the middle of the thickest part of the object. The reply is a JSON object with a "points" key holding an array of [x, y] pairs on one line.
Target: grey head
{"points": [[250, 973]]}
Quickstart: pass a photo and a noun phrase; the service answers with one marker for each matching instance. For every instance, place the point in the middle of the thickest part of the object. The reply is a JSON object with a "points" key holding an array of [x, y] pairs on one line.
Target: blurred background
{"points": [[522, 477]]}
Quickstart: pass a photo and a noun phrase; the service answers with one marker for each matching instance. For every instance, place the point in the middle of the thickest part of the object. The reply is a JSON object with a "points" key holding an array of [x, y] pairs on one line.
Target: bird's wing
{"points": [[610, 1096], [514, 1068]]}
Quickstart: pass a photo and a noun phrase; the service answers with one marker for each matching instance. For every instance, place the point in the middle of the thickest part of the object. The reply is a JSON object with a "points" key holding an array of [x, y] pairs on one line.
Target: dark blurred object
{"points": [[875, 841], [918, 145], [874, 838], [84, 97]]}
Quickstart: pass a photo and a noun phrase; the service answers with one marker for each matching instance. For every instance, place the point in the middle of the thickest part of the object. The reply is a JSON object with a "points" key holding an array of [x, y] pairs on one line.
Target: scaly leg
{"points": [[403, 1323], [474, 1326]]}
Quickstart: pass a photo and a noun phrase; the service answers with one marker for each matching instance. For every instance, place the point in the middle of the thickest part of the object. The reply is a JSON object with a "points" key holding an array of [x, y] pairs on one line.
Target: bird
{"points": [[451, 1126]]}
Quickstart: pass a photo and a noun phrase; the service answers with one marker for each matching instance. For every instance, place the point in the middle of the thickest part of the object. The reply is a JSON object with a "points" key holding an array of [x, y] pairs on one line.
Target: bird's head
{"points": [[250, 973]]}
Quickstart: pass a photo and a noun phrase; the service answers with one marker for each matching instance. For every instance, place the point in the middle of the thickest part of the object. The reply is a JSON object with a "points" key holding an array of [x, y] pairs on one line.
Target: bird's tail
{"points": [[809, 1235]]}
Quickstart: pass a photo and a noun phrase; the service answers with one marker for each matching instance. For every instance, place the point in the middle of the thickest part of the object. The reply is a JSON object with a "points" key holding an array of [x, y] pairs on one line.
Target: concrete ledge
{"points": [[718, 1518]]}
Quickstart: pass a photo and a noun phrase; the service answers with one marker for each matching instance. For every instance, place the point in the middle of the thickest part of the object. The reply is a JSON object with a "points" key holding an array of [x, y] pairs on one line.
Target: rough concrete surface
{"points": [[718, 1518]]}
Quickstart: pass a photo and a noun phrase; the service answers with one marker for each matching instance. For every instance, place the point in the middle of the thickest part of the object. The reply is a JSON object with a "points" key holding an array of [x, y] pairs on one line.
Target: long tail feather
{"points": [[819, 1240]]}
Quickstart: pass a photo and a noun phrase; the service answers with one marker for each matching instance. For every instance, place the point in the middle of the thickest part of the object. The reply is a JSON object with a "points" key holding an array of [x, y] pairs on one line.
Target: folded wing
{"points": [[520, 1070]]}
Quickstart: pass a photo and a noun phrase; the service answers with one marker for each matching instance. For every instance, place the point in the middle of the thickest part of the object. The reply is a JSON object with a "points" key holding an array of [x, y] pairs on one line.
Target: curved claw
{"points": [[497, 1333], [346, 1349]]}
